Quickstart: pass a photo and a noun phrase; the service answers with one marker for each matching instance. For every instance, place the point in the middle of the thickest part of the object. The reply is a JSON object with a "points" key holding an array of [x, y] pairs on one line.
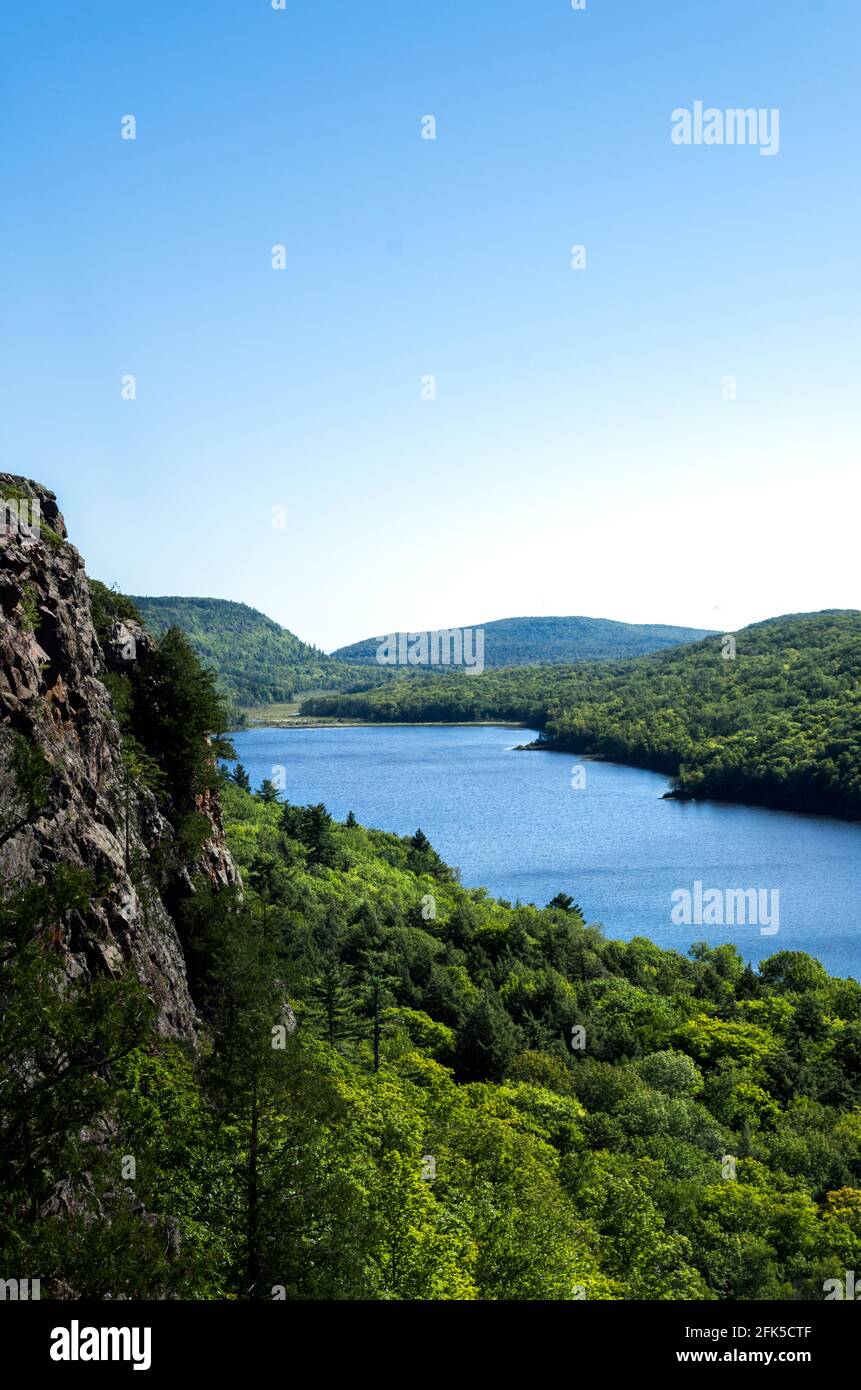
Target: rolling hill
{"points": [[258, 662], [556, 641], [777, 725]]}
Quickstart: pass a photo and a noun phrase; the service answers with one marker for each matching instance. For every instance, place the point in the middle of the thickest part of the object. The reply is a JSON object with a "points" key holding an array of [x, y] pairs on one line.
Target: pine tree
{"points": [[488, 1041], [317, 836], [59, 1043], [378, 981], [332, 998], [422, 858], [241, 778]]}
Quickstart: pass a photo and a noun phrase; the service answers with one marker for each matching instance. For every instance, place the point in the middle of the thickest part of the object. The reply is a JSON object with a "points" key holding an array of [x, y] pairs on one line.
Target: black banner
{"points": [[88, 1339]]}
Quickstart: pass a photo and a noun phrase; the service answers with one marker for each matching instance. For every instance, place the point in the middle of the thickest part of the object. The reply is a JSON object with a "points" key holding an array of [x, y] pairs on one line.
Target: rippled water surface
{"points": [[513, 822]]}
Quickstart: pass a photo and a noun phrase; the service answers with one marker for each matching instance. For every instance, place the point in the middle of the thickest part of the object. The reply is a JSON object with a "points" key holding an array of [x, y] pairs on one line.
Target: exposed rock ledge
{"points": [[52, 694]]}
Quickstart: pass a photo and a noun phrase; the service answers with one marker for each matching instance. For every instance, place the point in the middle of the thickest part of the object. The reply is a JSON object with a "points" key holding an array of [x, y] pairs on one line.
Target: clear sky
{"points": [[580, 455]]}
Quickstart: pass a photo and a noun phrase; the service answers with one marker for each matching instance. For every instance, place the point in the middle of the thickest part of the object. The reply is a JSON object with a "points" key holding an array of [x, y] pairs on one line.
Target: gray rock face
{"points": [[51, 694]]}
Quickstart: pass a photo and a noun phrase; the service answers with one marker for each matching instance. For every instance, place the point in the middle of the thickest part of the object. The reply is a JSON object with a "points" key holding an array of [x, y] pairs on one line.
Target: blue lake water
{"points": [[513, 822]]}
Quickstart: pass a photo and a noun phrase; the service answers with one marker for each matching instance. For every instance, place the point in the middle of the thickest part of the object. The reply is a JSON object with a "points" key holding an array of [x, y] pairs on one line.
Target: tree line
{"points": [[773, 721]]}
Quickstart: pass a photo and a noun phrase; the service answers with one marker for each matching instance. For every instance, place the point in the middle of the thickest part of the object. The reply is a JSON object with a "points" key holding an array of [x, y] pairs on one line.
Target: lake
{"points": [[521, 825]]}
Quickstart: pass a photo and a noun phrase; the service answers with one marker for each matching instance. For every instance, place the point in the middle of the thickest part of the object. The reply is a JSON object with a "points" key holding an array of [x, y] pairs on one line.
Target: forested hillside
{"points": [[778, 724], [476, 1101], [530, 641], [393, 1087], [257, 661], [701, 1137]]}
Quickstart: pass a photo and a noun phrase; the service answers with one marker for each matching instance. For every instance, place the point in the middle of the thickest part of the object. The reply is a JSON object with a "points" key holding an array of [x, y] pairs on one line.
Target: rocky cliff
{"points": [[53, 697]]}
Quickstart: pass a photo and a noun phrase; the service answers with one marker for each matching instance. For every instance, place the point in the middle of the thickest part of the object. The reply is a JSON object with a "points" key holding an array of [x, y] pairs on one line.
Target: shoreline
{"points": [[679, 796], [321, 722]]}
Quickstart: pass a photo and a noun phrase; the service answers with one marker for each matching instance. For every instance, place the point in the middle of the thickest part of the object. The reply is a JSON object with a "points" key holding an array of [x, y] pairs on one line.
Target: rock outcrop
{"points": [[52, 695]]}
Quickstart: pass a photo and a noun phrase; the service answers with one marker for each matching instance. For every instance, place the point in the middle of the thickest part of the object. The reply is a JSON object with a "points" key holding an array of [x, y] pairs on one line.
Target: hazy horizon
{"points": [[372, 633]]}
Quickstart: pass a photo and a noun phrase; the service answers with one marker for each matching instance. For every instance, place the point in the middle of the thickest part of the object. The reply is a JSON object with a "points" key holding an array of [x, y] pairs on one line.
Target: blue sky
{"points": [[580, 456]]}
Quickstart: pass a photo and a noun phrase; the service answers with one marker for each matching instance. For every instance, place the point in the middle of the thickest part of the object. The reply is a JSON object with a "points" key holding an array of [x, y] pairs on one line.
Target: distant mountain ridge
{"points": [[770, 718], [557, 641], [259, 662]]}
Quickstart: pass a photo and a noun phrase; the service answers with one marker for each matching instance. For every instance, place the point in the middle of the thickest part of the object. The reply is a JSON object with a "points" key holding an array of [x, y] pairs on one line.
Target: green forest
{"points": [[777, 724], [533, 641], [257, 662], [405, 1089]]}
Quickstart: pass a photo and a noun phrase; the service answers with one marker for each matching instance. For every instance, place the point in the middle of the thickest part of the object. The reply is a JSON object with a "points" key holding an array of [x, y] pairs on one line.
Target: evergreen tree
{"points": [[312, 826], [240, 777], [317, 836], [564, 903], [59, 1044], [378, 982], [333, 1000], [422, 858], [488, 1042]]}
